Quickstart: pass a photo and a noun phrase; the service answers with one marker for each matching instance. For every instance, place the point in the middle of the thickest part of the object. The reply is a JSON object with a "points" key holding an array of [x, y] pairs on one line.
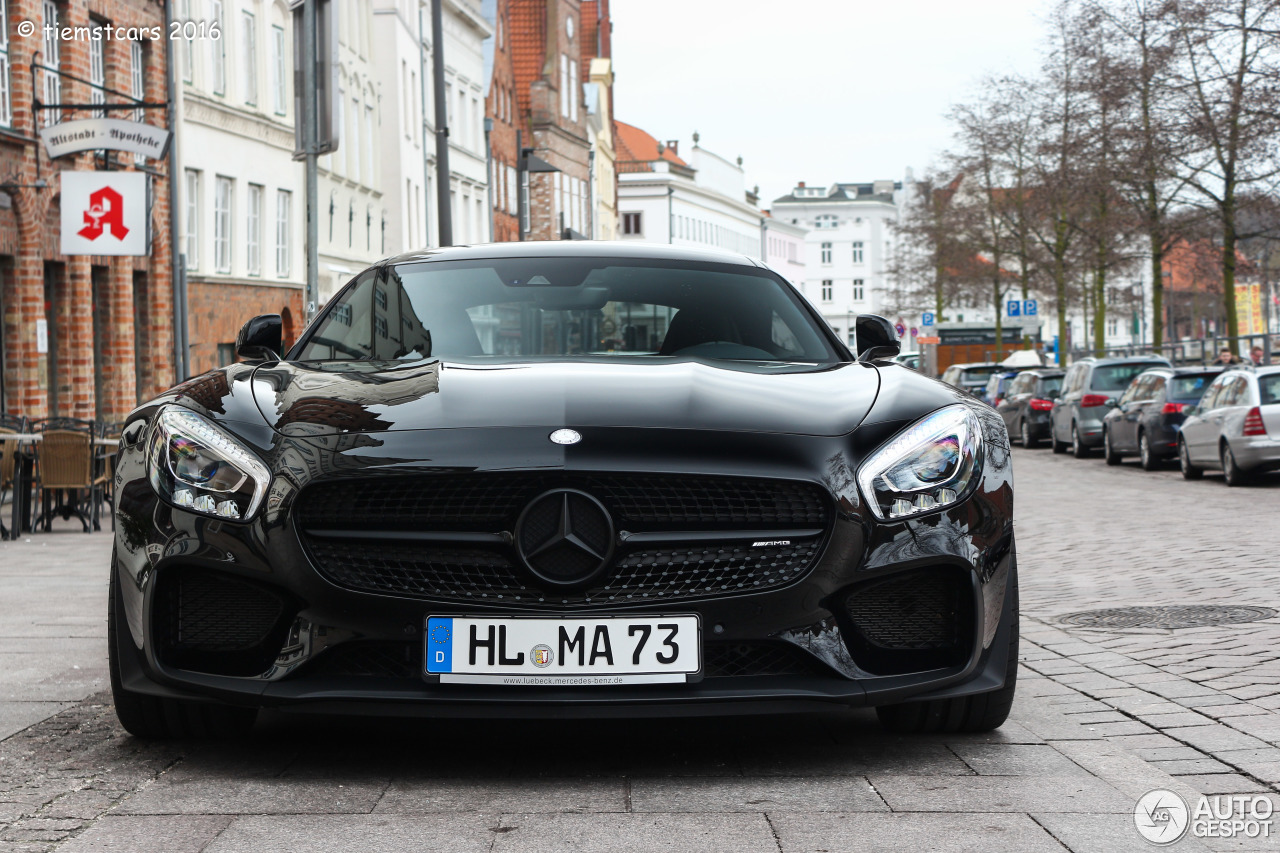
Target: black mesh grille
{"points": [[491, 501], [738, 659], [369, 659], [210, 622], [470, 574], [919, 610]]}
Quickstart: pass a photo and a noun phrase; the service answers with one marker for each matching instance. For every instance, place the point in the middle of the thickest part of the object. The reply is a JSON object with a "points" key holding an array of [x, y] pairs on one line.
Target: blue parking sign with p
{"points": [[439, 644], [1014, 307], [926, 319], [1029, 308]]}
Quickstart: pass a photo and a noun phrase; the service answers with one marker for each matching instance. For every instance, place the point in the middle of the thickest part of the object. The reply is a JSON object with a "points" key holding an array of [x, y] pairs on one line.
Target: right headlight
{"points": [[928, 466], [198, 466]]}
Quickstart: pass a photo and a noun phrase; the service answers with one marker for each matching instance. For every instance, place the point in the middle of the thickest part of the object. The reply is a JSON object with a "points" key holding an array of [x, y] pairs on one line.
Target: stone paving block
{"points": [[1175, 688], [1091, 717], [1024, 760], [937, 833], [1235, 709], [381, 833], [883, 755], [1166, 753], [623, 833], [494, 796], [1263, 726], [1189, 766], [1129, 727], [1075, 793], [1103, 833], [18, 715], [1176, 719], [1223, 783], [758, 794], [141, 834], [256, 796], [1216, 738]]}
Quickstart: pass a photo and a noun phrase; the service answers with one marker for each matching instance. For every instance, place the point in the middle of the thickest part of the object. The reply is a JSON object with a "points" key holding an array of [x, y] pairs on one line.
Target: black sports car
{"points": [[563, 479]]}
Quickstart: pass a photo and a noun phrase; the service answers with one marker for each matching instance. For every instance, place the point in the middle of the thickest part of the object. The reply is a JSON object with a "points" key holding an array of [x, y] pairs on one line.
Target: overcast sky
{"points": [[813, 90]]}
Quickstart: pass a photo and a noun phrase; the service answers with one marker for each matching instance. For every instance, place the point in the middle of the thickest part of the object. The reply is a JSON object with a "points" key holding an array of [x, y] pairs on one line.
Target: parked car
{"points": [[909, 359], [469, 490], [1027, 403], [971, 378], [1235, 428], [1076, 419], [997, 386], [1147, 417]]}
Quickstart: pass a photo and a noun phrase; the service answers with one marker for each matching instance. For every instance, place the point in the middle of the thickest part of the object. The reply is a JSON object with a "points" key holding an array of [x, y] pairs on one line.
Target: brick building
{"points": [[503, 111], [546, 54], [107, 336]]}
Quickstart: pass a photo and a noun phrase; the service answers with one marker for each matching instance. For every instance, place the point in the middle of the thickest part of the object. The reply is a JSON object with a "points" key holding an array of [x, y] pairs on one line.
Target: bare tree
{"points": [[1230, 63]]}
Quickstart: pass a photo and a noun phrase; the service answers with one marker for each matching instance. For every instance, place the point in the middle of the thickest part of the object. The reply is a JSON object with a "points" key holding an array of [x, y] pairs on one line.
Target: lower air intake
{"points": [[914, 621], [211, 622]]}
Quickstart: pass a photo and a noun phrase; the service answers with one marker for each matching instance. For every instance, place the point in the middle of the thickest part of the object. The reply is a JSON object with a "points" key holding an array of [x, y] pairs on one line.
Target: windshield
{"points": [[546, 308], [978, 375], [1050, 384], [1189, 389], [1116, 377]]}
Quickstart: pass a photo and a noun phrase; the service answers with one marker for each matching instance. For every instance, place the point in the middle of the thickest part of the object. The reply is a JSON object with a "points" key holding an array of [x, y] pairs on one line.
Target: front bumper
{"points": [[973, 541]]}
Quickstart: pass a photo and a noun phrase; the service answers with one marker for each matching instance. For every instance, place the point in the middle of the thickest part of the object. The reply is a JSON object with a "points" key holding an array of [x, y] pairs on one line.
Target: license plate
{"points": [[563, 652]]}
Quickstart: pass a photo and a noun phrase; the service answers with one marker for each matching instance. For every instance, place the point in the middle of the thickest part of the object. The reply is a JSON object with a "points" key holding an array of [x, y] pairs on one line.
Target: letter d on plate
{"points": [[439, 644]]}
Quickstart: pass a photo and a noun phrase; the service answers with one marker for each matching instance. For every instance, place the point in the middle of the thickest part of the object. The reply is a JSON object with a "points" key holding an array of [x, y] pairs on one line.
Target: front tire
{"points": [[1190, 471], [1079, 449], [1108, 452], [1231, 472], [982, 712], [155, 717]]}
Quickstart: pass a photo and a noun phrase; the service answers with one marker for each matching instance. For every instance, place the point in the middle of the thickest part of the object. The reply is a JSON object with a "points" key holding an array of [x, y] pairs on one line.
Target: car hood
{"points": [[327, 398]]}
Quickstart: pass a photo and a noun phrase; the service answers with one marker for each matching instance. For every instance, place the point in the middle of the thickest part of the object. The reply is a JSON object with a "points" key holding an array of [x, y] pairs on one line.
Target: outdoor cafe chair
{"points": [[66, 465], [9, 425]]}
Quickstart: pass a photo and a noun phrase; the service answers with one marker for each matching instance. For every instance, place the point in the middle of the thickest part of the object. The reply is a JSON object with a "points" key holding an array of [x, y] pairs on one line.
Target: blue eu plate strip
{"points": [[439, 644]]}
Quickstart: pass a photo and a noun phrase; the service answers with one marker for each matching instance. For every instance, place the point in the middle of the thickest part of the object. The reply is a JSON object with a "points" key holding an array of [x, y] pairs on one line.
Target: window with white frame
{"points": [[573, 90], [188, 47], [826, 253], [137, 86], [6, 99], [354, 165], [564, 85], [826, 290], [631, 224], [858, 290], [192, 201], [279, 72], [284, 199], [51, 58], [253, 230], [1113, 327], [825, 220], [97, 66], [222, 224], [218, 50], [249, 52], [857, 251]]}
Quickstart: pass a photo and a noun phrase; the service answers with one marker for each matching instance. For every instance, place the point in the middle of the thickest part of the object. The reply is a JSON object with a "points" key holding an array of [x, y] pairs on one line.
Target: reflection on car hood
{"points": [[326, 398]]}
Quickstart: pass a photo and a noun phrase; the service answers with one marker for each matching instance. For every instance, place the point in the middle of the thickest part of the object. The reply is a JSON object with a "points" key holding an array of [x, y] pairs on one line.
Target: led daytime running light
{"points": [[926, 467]]}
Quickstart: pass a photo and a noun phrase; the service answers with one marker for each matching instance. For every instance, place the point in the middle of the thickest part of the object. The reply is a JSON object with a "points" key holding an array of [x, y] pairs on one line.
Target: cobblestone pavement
{"points": [[1102, 716]]}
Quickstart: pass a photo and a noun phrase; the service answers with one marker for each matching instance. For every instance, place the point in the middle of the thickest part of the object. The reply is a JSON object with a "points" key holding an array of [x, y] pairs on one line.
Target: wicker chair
{"points": [[66, 465], [9, 425]]}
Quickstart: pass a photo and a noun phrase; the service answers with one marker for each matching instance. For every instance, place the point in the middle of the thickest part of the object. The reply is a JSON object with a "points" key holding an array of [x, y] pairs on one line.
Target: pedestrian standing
{"points": [[1256, 355]]}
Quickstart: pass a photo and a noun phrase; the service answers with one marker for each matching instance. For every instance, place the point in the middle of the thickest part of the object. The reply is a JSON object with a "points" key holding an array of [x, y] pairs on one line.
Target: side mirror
{"points": [[261, 339], [1111, 403], [876, 337]]}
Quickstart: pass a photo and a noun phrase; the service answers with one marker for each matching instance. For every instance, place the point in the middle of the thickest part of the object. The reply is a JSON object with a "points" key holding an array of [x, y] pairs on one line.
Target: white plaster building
{"points": [[784, 249], [664, 199], [604, 166]]}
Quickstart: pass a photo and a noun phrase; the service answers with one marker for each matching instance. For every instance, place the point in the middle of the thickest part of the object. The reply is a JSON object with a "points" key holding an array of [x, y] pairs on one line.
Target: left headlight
{"points": [[928, 466], [198, 466]]}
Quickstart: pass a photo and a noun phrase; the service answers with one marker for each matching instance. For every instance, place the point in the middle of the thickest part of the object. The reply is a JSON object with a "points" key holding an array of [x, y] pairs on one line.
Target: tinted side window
{"points": [[1133, 392], [346, 332], [1211, 396], [1269, 388]]}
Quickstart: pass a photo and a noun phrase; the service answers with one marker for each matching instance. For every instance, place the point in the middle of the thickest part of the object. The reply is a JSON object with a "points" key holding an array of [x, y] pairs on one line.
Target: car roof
{"points": [[1123, 359], [1046, 372], [629, 249], [975, 364]]}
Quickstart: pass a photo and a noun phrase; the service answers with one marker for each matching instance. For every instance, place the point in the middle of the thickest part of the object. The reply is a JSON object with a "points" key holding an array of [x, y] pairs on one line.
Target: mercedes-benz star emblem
{"points": [[565, 537], [566, 436]]}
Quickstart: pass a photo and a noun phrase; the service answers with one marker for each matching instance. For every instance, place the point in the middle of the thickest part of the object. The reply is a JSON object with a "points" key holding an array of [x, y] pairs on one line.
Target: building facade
{"points": [[83, 336], [849, 246], [506, 123], [784, 249], [702, 202]]}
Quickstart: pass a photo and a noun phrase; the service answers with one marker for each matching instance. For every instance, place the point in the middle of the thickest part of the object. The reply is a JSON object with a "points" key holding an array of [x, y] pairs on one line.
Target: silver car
{"points": [[1089, 390], [1236, 427]]}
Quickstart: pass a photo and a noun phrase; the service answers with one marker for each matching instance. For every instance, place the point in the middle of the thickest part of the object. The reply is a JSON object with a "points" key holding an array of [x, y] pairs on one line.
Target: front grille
{"points": [[677, 568], [375, 659], [638, 502], [472, 574], [210, 622], [721, 660], [911, 621]]}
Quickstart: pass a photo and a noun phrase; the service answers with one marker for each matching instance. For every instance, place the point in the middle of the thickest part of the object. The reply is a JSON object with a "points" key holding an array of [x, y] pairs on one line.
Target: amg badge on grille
{"points": [[566, 436]]}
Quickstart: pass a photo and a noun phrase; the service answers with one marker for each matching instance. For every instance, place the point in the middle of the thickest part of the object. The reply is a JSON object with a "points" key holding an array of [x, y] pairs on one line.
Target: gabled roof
{"points": [[527, 38], [637, 149]]}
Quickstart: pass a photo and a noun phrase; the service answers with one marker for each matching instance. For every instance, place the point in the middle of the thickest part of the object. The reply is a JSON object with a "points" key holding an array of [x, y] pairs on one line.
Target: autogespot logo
{"points": [[1161, 816]]}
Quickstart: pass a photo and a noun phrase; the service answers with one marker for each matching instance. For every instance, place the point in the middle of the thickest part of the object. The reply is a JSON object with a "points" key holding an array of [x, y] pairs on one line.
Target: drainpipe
{"points": [[671, 222], [177, 262]]}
